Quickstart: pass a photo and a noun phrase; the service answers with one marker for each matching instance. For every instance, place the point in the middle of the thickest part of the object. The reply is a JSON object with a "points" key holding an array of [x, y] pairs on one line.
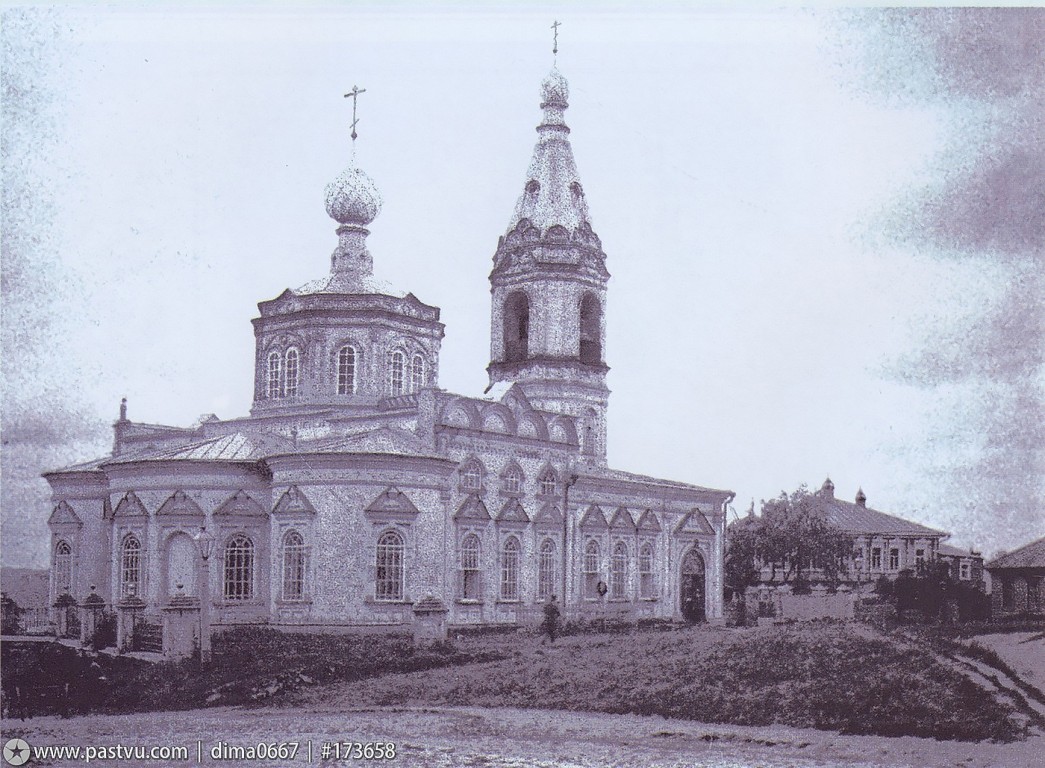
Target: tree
{"points": [[792, 537]]}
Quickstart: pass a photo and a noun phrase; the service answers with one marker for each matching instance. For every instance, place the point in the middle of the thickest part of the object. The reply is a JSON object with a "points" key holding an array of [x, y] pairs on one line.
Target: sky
{"points": [[825, 228]]}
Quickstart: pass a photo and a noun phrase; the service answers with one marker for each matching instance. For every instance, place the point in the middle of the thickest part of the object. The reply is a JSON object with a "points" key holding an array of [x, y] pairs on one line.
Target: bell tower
{"points": [[548, 285]]}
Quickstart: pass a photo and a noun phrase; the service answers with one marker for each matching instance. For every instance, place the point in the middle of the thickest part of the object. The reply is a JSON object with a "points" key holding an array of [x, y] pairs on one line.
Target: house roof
{"points": [[1028, 556], [855, 519], [948, 551]]}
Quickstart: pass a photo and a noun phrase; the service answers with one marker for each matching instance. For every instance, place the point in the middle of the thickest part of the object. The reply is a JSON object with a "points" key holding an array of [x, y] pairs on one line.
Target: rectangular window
{"points": [[470, 568], [510, 571], [876, 558], [965, 571], [646, 571], [894, 559], [546, 571], [548, 485], [591, 571]]}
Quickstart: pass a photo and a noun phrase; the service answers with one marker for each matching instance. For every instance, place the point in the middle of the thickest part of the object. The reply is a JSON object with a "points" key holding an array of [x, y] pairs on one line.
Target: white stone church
{"points": [[357, 488]]}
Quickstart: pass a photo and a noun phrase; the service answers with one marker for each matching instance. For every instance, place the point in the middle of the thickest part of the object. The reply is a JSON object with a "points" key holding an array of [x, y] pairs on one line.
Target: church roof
{"points": [[384, 439], [632, 477], [344, 282], [1028, 556]]}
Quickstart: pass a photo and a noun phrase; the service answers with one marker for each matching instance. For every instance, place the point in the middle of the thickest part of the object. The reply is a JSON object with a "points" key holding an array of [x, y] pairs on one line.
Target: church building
{"points": [[358, 489]]}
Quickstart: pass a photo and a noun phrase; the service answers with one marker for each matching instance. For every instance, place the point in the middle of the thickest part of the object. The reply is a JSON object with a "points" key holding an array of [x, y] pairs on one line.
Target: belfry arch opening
{"points": [[516, 327], [591, 330]]}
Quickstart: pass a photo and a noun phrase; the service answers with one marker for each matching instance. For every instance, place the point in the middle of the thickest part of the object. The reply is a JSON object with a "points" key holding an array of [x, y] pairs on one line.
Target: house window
{"points": [[472, 477], [546, 483], [389, 571], [130, 567], [546, 570], [919, 558], [1008, 595], [417, 373], [510, 569], [876, 558], [646, 570], [346, 370], [275, 375], [965, 571], [894, 559], [591, 570], [396, 371], [63, 568], [858, 559], [470, 567], [290, 373], [293, 567], [512, 480], [619, 571], [239, 569]]}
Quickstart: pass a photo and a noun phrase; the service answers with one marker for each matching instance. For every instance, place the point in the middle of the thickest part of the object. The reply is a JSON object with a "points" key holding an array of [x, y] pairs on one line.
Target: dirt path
{"points": [[510, 738]]}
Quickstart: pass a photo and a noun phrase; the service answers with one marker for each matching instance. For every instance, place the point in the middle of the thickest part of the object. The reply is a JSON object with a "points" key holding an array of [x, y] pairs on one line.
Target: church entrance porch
{"points": [[691, 587]]}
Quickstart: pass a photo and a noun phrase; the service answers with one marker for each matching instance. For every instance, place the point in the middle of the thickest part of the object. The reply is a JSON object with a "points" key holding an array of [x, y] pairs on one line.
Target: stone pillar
{"points": [[129, 612], [181, 620], [90, 611], [430, 621]]}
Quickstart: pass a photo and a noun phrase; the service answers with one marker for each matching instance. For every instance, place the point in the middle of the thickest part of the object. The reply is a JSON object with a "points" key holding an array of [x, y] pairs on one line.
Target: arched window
{"points": [[470, 559], [512, 479], [396, 372], [646, 570], [417, 373], [546, 482], [472, 477], [294, 566], [591, 330], [130, 567], [275, 375], [510, 569], [63, 568], [239, 569], [546, 570], [346, 370], [388, 575], [291, 372], [619, 571], [516, 327], [591, 570]]}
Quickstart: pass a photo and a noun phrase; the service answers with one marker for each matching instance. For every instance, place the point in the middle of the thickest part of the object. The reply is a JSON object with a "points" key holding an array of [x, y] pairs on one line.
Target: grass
{"points": [[826, 676], [835, 677]]}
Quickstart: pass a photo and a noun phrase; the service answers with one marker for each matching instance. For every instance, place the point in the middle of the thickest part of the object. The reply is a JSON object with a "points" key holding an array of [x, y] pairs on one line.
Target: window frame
{"points": [[291, 364], [390, 567], [470, 562], [511, 561], [130, 566], [591, 565], [647, 555], [396, 373], [239, 569], [294, 567], [619, 571], [274, 380], [63, 568], [346, 369], [417, 382], [546, 562]]}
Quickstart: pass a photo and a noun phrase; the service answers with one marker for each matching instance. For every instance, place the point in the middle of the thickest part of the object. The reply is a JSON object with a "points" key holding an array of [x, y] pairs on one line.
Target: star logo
{"points": [[16, 752]]}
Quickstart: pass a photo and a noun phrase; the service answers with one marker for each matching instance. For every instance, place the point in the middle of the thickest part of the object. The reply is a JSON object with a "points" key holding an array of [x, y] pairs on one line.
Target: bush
{"points": [[104, 631]]}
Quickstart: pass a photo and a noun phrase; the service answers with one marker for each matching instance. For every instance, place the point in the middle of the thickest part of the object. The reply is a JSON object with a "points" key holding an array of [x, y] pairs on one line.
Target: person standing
{"points": [[551, 617]]}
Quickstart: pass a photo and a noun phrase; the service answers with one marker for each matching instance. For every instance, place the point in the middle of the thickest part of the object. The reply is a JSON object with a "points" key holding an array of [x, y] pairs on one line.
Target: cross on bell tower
{"points": [[555, 41], [354, 93]]}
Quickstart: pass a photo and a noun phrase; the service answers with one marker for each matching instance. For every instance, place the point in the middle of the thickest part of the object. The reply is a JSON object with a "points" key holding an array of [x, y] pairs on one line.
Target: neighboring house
{"points": [[1016, 581], [883, 544], [357, 487], [966, 565]]}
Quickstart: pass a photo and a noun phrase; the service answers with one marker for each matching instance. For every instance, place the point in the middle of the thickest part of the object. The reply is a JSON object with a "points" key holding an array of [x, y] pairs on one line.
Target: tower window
{"points": [[396, 373], [290, 373], [516, 327], [546, 483], [472, 477], [512, 480], [591, 330], [417, 373], [275, 375], [619, 571], [346, 370]]}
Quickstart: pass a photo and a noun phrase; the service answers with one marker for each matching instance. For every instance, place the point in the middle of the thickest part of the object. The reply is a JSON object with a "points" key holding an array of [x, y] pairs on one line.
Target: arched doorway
{"points": [[691, 586]]}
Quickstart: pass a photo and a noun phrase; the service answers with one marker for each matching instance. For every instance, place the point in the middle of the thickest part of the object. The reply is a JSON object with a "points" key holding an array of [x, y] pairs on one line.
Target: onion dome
{"points": [[352, 198], [555, 91]]}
